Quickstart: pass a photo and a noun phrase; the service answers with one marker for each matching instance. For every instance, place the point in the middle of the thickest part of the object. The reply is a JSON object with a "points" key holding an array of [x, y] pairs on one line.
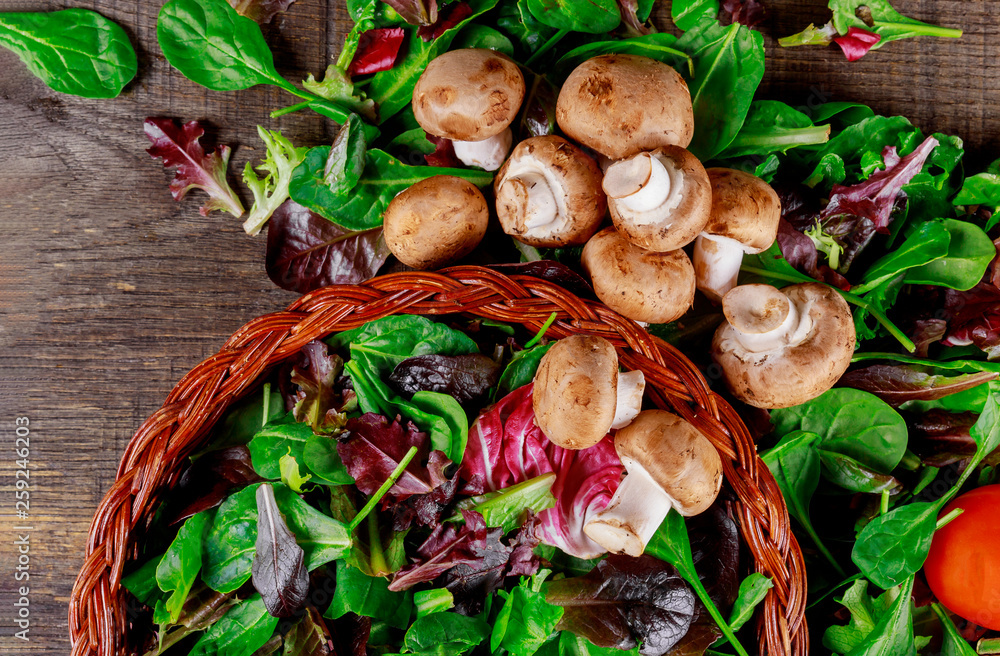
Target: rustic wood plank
{"points": [[110, 291]]}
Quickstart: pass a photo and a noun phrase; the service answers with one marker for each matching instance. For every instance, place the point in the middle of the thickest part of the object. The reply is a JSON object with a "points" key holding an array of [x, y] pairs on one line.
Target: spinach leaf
{"points": [[851, 475], [482, 36], [275, 440], [928, 243], [178, 569], [449, 410], [589, 16], [321, 458], [74, 51], [567, 643], [322, 538], [245, 418], [877, 626], [525, 622], [728, 67], [445, 634], [658, 45], [772, 126], [851, 422], [753, 589], [516, 20], [369, 596], [278, 567], [142, 582], [384, 176], [241, 631], [841, 113], [687, 13], [229, 545], [521, 369], [970, 252], [981, 189]]}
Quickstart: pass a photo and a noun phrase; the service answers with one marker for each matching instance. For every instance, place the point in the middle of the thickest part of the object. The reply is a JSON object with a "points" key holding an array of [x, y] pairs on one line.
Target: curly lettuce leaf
{"points": [[270, 191]]}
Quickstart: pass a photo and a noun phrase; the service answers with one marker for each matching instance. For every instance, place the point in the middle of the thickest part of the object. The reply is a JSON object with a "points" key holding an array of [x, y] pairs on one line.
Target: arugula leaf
{"points": [[177, 571], [879, 626], [524, 622], [445, 634], [241, 631], [179, 147], [728, 67], [369, 596], [74, 51], [270, 192]]}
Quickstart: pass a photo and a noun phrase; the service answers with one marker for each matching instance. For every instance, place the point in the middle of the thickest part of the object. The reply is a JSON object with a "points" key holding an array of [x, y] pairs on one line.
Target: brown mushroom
{"points": [[620, 105], [470, 96], [636, 283], [659, 200], [779, 348], [744, 219], [435, 222], [549, 193], [670, 464], [576, 392]]}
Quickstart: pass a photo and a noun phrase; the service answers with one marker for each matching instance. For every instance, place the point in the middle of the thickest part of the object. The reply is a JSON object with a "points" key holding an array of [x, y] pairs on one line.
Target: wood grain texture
{"points": [[110, 291]]}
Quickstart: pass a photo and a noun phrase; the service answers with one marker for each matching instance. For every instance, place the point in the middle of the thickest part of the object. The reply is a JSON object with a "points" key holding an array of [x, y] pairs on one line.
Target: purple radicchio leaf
{"points": [[262, 11], [624, 601], [306, 251], [320, 399], [465, 377], [857, 43], [746, 12], [452, 15], [210, 479], [897, 384], [279, 571], [471, 560], [506, 447], [416, 12], [377, 51], [374, 448], [178, 146], [974, 318]]}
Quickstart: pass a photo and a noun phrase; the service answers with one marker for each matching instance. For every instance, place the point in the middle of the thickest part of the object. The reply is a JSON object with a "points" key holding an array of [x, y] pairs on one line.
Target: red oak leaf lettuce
{"points": [[506, 447], [178, 146], [261, 11], [975, 318], [746, 12], [377, 51], [856, 43], [306, 252], [320, 398]]}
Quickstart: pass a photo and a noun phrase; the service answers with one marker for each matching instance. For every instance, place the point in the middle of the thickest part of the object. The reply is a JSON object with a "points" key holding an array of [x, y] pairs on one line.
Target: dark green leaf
{"points": [[241, 631], [246, 418], [878, 627], [179, 568], [970, 251], [753, 589], [436, 600], [893, 546], [482, 36], [929, 242], [591, 16], [774, 127], [229, 545], [142, 582], [369, 596], [687, 13], [841, 113], [795, 466], [320, 457], [346, 160], [883, 20], [445, 634], [74, 51], [521, 369], [953, 644], [275, 440], [982, 188], [660, 46], [322, 538], [848, 473], [870, 135]]}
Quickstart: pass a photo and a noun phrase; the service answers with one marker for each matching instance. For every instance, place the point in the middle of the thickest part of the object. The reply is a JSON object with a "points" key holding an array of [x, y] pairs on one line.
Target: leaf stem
{"points": [[548, 45], [290, 109], [924, 29], [822, 548], [541, 331], [706, 600], [949, 518], [849, 579], [815, 134], [266, 408], [988, 646], [379, 493], [884, 503]]}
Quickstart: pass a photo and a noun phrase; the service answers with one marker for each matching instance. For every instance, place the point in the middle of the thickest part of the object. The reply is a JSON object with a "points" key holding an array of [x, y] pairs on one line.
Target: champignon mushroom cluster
{"points": [[654, 224]]}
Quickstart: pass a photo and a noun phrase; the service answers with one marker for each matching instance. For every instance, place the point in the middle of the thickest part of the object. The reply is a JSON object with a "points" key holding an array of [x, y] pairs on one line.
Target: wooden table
{"points": [[110, 291]]}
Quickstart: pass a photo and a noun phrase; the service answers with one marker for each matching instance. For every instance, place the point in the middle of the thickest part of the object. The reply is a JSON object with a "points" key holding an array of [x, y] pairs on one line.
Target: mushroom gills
{"points": [[647, 185], [717, 262], [631, 385], [488, 154], [541, 196], [764, 319], [634, 513]]}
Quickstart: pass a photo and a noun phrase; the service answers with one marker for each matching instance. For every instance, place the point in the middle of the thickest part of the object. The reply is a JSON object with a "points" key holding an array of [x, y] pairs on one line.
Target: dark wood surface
{"points": [[110, 291]]}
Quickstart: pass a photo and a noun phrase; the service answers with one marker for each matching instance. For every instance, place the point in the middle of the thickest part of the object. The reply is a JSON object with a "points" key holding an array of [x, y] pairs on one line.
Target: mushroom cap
{"points": [[468, 95], [575, 180], [435, 221], [636, 283], [575, 391], [676, 456], [793, 373], [744, 208], [678, 226], [620, 105]]}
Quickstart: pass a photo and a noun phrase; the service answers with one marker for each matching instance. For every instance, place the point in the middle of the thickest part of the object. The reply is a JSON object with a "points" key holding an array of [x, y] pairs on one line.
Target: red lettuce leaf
{"points": [[416, 12], [444, 153], [424, 509], [309, 637], [210, 479], [942, 438], [925, 332], [897, 384], [279, 570], [747, 12], [555, 272], [377, 51], [306, 252], [452, 15], [974, 318], [856, 43], [178, 146], [626, 600], [506, 447], [321, 397], [801, 253], [374, 448], [464, 377], [351, 634], [262, 11], [470, 559], [633, 24]]}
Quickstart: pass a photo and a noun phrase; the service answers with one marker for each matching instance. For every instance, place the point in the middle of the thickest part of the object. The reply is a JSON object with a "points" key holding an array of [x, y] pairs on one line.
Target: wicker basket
{"points": [[155, 455]]}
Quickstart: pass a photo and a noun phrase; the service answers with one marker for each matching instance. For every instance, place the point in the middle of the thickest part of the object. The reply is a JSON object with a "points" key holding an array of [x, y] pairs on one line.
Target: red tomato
{"points": [[963, 568]]}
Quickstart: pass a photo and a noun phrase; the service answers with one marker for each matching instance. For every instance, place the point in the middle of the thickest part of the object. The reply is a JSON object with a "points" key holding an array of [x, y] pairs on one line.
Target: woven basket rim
{"points": [[152, 460]]}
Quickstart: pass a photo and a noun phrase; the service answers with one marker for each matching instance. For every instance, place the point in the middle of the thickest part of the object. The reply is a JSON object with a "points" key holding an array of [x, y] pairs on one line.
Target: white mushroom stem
{"points": [[764, 318], [631, 385], [488, 154], [646, 185], [634, 513], [717, 262], [540, 194]]}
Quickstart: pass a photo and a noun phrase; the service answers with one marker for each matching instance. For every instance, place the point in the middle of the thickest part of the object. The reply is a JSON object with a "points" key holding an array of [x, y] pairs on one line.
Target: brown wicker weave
{"points": [[155, 455]]}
